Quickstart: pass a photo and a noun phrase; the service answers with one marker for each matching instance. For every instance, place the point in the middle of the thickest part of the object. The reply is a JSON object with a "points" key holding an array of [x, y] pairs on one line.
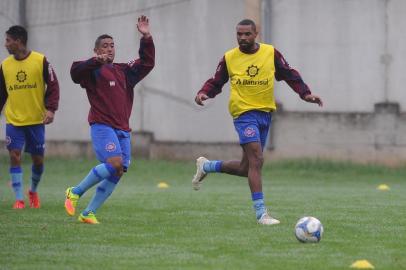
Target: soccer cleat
{"points": [[71, 201], [266, 219], [90, 218], [200, 174], [19, 204], [34, 199]]}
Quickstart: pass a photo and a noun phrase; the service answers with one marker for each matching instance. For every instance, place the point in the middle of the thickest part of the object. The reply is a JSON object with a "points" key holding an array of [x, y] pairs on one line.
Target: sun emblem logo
{"points": [[252, 71], [21, 76]]}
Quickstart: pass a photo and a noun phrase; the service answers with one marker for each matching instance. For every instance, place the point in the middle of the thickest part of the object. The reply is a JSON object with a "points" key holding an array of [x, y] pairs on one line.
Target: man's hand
{"points": [[200, 98], [103, 58], [143, 26], [314, 99], [49, 117]]}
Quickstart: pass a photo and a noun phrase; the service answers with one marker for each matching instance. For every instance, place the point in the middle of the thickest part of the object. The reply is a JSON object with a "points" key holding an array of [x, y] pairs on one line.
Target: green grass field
{"points": [[143, 227]]}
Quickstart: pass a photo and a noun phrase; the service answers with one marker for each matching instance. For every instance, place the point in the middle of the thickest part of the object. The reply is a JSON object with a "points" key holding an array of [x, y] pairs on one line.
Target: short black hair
{"points": [[99, 38], [248, 22], [18, 32]]}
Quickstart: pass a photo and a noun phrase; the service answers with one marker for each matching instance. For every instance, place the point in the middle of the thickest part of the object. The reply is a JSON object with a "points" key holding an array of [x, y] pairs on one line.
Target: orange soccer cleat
{"points": [[34, 199]]}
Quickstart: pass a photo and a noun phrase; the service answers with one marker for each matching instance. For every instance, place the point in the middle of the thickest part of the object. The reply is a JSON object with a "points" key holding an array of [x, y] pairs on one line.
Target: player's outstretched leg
{"points": [[96, 174], [203, 167]]}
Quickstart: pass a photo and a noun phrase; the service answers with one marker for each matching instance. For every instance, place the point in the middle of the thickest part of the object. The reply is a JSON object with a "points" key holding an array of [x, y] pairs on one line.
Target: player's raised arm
{"points": [[143, 26], [137, 69]]}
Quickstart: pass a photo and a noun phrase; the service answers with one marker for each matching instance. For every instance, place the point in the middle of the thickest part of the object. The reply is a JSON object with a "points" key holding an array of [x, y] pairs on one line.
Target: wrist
{"points": [[146, 35]]}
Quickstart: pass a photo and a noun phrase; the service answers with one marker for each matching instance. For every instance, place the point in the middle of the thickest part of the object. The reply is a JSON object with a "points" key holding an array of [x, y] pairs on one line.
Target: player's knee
{"points": [[257, 162], [15, 158], [117, 165], [38, 161]]}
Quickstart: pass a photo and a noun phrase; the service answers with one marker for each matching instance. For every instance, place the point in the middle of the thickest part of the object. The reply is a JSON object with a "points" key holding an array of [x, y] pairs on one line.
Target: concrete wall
{"points": [[350, 52], [190, 38]]}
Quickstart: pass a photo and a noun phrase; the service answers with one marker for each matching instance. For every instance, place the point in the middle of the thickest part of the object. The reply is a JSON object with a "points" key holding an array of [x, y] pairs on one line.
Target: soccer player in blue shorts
{"points": [[29, 91], [110, 90], [251, 68]]}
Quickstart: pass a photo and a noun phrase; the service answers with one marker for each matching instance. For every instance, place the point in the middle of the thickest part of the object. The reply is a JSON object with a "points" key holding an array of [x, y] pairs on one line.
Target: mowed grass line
{"points": [[143, 227]]}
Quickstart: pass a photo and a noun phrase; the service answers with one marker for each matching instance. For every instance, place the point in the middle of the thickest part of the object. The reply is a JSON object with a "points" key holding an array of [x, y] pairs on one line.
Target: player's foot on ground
{"points": [[90, 218], [266, 219], [34, 199], [200, 174], [19, 204], [71, 201]]}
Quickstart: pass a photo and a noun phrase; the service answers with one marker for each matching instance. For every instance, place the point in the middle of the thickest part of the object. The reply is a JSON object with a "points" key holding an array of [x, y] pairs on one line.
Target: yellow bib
{"points": [[25, 88], [251, 79]]}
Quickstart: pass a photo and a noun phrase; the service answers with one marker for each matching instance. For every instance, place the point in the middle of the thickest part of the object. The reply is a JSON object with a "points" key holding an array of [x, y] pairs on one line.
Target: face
{"points": [[12, 45], [106, 46], [246, 37]]}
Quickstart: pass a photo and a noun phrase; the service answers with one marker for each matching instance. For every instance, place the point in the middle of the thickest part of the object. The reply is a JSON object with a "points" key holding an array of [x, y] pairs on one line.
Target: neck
{"points": [[21, 54], [251, 49]]}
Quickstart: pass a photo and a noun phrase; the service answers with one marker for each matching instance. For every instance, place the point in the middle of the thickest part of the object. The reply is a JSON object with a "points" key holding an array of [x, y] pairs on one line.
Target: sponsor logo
{"points": [[252, 71], [21, 87], [21, 76], [110, 147], [251, 82], [8, 140], [249, 132]]}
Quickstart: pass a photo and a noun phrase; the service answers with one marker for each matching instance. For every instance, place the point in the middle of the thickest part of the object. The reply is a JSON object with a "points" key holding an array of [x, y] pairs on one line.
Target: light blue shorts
{"points": [[110, 142]]}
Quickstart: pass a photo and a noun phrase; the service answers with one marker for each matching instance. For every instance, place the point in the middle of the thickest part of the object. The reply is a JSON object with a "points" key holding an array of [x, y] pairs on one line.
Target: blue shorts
{"points": [[110, 142], [32, 136], [253, 126]]}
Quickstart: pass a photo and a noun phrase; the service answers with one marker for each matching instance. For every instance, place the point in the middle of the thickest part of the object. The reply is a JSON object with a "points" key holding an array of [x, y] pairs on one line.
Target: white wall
{"points": [[190, 38], [340, 47]]}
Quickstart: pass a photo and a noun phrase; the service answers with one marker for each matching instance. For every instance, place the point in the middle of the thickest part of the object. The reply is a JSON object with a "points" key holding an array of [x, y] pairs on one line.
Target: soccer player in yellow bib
{"points": [[29, 91], [251, 68]]}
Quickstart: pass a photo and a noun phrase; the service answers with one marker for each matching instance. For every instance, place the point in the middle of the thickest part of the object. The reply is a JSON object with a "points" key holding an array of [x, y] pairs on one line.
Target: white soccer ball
{"points": [[309, 230]]}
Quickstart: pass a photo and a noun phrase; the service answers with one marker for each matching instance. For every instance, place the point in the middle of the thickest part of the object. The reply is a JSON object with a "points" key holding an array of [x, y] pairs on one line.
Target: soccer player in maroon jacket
{"points": [[110, 90]]}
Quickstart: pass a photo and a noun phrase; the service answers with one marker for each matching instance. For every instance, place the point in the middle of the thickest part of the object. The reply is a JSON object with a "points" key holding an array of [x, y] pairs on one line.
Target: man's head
{"points": [[104, 44], [16, 39], [246, 34]]}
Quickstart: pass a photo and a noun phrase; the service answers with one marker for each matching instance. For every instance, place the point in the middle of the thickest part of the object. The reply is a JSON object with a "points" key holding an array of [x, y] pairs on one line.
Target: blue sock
{"points": [[259, 205], [36, 173], [17, 182], [212, 166], [97, 174], [103, 191]]}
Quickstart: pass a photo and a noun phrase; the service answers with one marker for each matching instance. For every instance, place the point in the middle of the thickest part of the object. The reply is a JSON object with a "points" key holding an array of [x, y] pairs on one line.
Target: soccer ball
{"points": [[309, 230]]}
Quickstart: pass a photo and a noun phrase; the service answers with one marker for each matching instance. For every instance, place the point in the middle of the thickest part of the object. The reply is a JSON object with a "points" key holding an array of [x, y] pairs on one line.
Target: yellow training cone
{"points": [[383, 187], [362, 264], [162, 185]]}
